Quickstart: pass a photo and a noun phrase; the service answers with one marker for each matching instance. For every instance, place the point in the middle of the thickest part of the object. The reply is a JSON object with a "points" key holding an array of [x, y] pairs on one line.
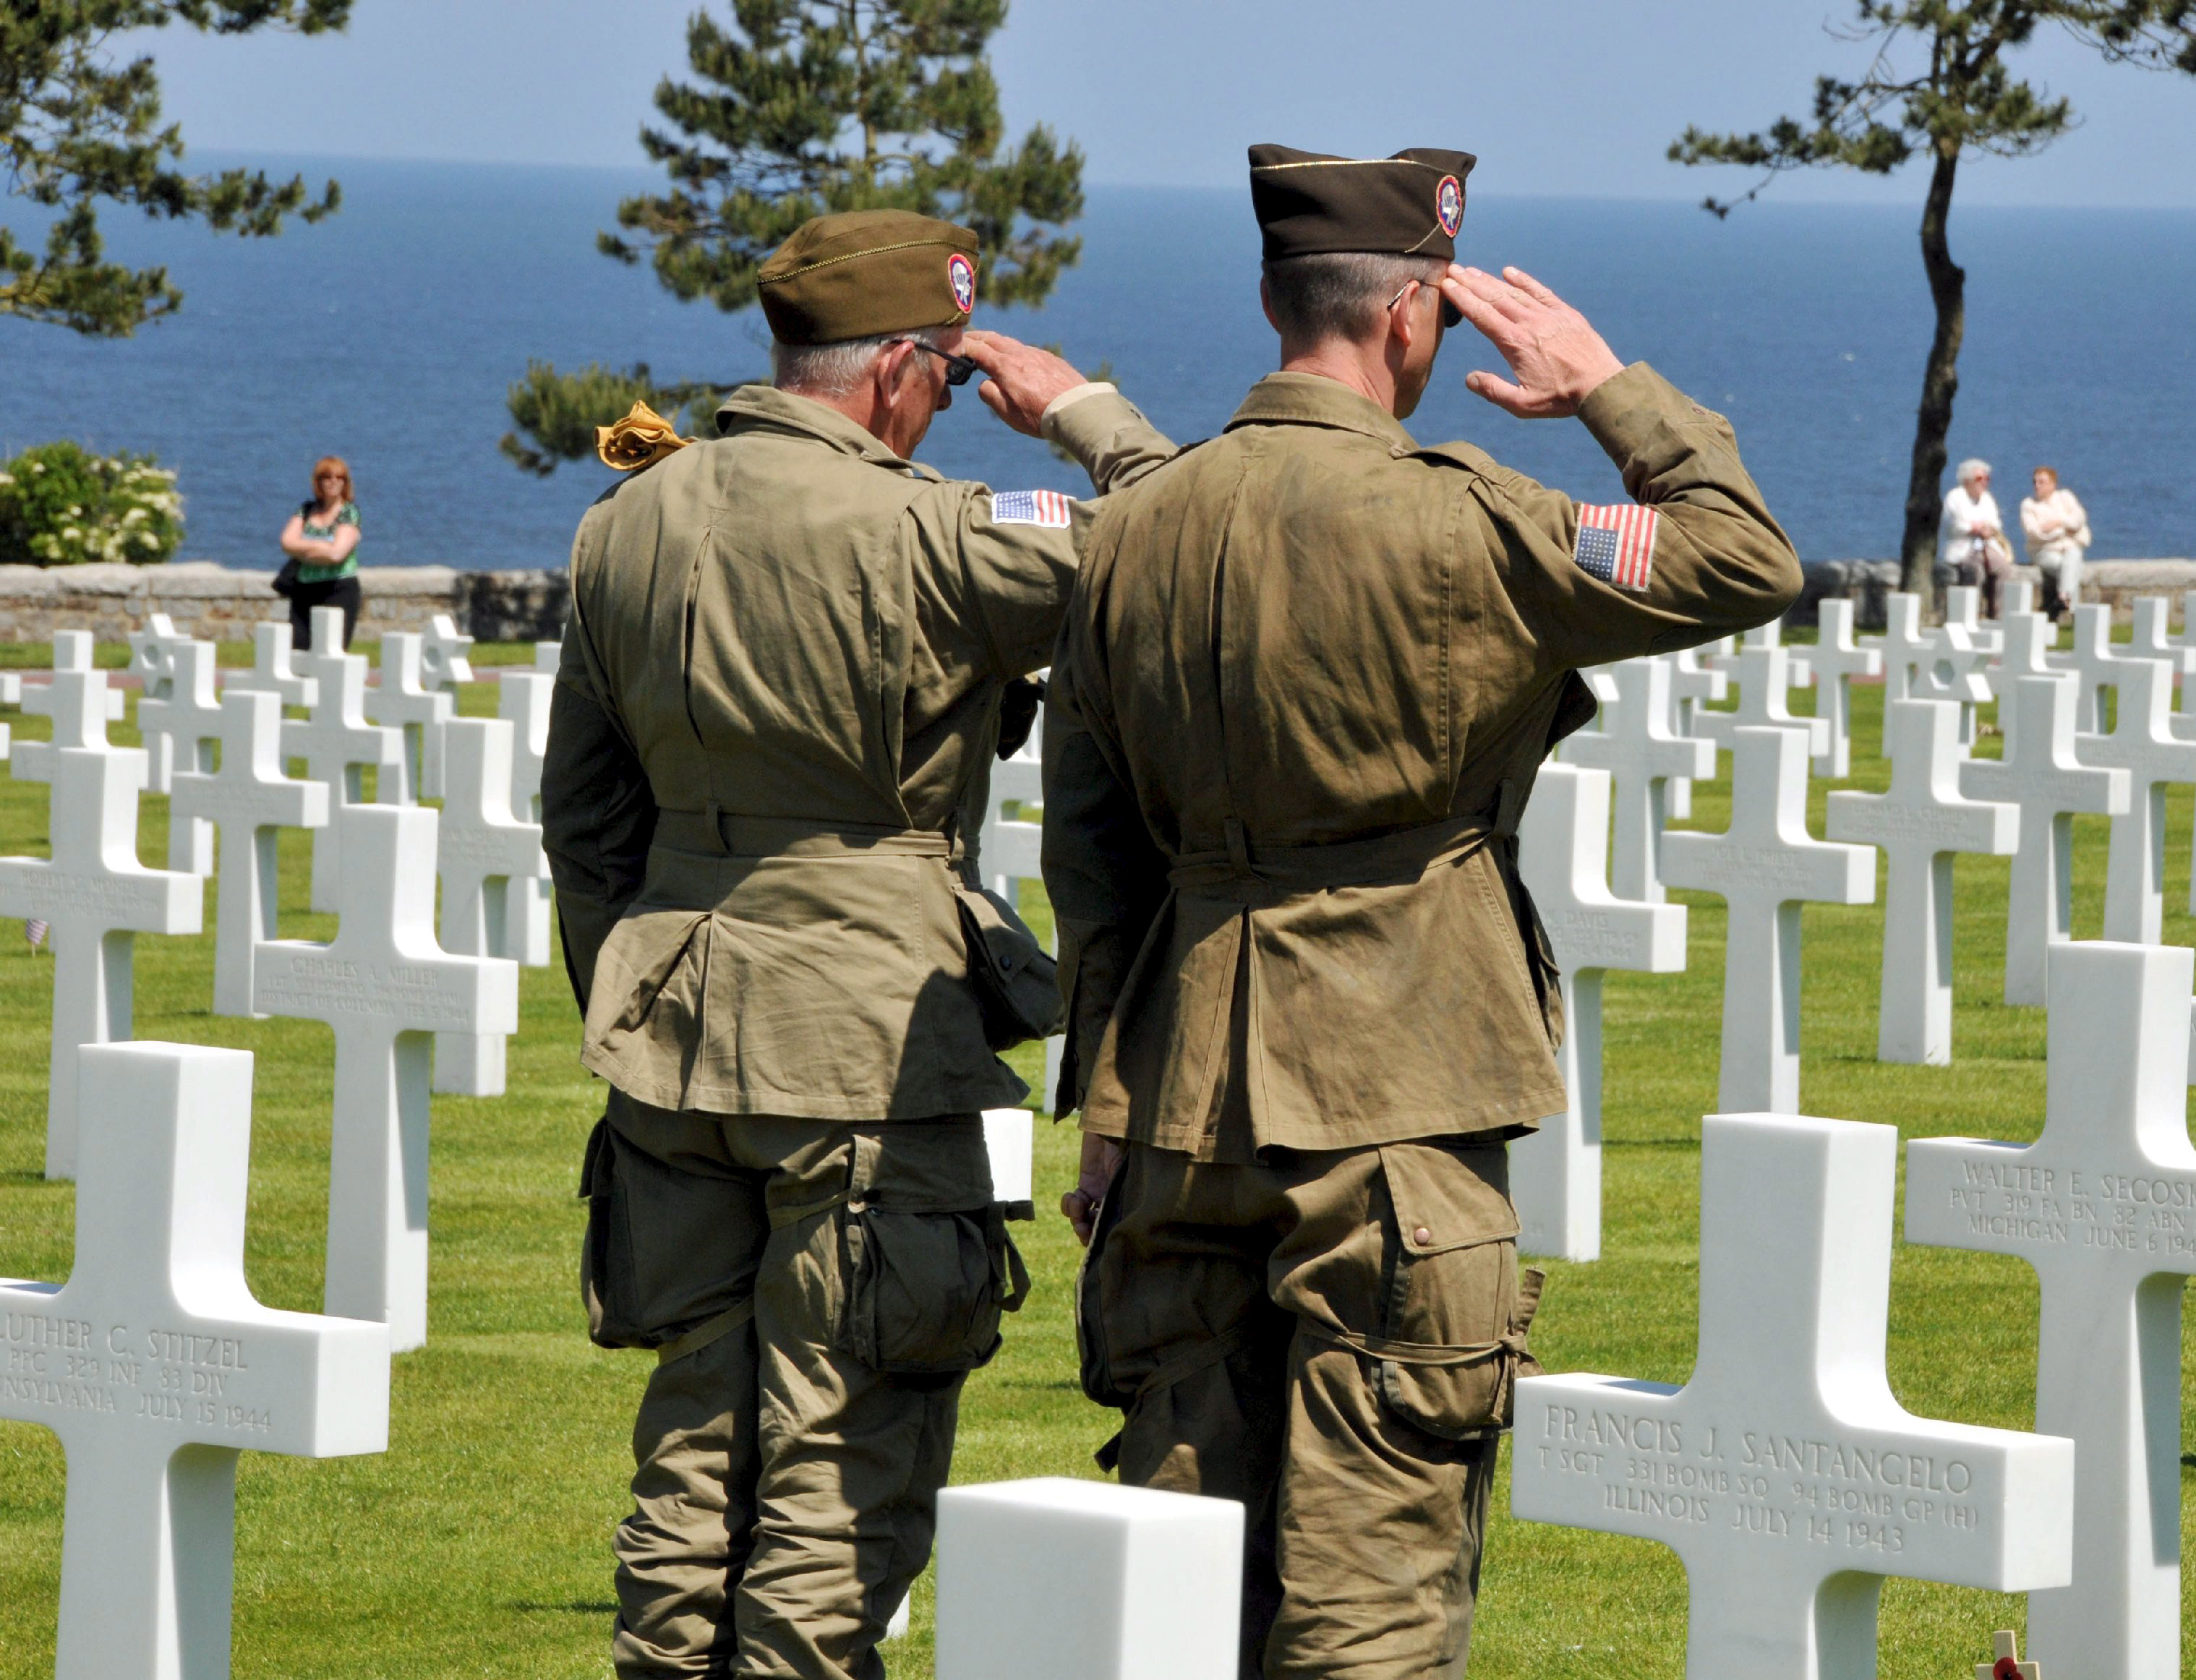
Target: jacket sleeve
{"points": [[1106, 877], [1715, 561], [1007, 562], [598, 811]]}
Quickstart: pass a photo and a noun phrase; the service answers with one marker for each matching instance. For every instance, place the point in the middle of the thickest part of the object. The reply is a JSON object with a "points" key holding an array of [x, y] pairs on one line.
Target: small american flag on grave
{"points": [[1030, 507], [1617, 544]]}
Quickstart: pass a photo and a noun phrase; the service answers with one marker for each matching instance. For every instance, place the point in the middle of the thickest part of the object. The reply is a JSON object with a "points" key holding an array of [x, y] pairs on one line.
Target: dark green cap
{"points": [[862, 274], [1410, 204]]}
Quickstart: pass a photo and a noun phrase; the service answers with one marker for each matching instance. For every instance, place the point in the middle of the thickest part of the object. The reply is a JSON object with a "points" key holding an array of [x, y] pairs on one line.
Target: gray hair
{"points": [[1340, 294], [1972, 468], [835, 369]]}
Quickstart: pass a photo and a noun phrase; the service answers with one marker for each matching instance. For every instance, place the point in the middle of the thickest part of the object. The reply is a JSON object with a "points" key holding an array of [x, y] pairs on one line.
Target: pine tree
{"points": [[801, 107], [1937, 87], [76, 127]]}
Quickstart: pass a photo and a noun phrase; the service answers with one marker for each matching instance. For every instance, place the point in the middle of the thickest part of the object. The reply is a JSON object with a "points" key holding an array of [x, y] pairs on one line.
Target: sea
{"points": [[390, 334]]}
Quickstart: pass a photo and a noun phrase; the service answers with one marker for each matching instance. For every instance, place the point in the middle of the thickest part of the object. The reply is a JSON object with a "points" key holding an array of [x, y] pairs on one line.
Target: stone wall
{"points": [[2116, 582], [217, 604]]}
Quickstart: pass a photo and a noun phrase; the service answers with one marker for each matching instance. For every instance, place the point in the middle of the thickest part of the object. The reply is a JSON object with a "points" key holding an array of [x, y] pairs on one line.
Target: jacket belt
{"points": [[1267, 874], [721, 834]]}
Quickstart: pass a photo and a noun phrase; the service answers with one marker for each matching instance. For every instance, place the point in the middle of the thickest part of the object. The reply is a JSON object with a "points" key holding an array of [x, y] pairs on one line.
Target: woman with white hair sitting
{"points": [[2057, 530], [1971, 545]]}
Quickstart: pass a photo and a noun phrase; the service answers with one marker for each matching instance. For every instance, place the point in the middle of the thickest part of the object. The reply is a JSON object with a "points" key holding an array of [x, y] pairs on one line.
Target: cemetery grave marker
{"points": [[157, 1368], [2091, 658], [1010, 852], [249, 801], [1693, 684], [385, 987], [1919, 824], [2152, 639], [1766, 675], [11, 694], [273, 670], [92, 891], [1109, 1583], [1920, 663], [2142, 743], [179, 716], [1837, 659], [2041, 775], [1784, 1474], [442, 653], [404, 700], [339, 746], [2029, 640], [2103, 1206], [1562, 849], [1963, 606], [1638, 747], [522, 699], [1765, 867], [2016, 595], [480, 847]]}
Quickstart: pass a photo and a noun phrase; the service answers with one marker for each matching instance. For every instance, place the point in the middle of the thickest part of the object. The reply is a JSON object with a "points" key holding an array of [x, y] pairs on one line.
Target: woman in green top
{"points": [[322, 537]]}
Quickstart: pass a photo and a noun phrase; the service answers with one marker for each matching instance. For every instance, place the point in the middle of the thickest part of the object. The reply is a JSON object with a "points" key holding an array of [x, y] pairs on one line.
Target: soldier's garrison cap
{"points": [[861, 274], [1410, 204]]}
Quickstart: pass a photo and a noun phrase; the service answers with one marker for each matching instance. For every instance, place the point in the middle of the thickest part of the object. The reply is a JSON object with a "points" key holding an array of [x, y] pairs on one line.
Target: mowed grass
{"points": [[478, 1545]]}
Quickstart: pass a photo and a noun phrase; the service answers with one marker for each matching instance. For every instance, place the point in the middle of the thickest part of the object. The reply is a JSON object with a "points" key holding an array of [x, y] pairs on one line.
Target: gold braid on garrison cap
{"points": [[1411, 204], [863, 274]]}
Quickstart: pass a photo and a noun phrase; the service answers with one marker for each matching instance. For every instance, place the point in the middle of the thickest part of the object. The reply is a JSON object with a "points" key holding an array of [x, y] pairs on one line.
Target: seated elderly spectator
{"points": [[2057, 533], [1971, 544]]}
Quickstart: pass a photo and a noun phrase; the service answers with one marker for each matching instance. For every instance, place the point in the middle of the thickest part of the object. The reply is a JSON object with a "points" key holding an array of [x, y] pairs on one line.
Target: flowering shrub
{"points": [[61, 505]]}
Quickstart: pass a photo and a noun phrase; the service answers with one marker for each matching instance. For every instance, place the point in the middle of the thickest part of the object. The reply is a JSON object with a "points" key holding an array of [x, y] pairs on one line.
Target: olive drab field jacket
{"points": [[778, 697], [1308, 676]]}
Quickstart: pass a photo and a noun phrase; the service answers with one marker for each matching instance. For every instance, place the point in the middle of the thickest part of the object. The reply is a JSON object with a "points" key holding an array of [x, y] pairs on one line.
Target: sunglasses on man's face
{"points": [[1450, 315], [959, 369]]}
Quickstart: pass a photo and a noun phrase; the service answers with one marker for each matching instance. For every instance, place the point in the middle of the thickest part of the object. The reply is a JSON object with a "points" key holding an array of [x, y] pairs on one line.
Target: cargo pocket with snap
{"points": [[925, 1289], [1456, 1313]]}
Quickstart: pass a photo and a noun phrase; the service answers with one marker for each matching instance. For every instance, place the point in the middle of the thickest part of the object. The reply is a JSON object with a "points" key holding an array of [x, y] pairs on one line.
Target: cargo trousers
{"points": [[815, 1293], [1333, 1338]]}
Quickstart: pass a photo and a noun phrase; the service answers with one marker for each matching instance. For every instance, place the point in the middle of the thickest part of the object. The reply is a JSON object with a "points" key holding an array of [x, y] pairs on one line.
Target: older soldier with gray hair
{"points": [[1308, 675], [781, 686]]}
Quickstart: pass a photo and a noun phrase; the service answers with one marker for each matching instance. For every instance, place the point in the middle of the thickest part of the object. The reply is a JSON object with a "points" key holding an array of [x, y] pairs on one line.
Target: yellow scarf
{"points": [[639, 441]]}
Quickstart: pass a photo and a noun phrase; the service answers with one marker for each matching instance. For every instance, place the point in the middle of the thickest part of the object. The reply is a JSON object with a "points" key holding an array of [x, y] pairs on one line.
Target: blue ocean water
{"points": [[389, 333]]}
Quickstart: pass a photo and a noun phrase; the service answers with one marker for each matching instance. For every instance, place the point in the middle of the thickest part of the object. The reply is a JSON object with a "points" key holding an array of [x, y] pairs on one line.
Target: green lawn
{"points": [[479, 1545]]}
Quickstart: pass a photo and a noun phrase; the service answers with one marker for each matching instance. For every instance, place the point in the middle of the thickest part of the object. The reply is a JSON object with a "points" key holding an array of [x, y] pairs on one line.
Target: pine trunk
{"points": [[1940, 384]]}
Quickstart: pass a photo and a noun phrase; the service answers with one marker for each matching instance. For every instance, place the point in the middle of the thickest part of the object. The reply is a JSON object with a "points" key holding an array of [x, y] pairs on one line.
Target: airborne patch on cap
{"points": [[961, 273], [1448, 205]]}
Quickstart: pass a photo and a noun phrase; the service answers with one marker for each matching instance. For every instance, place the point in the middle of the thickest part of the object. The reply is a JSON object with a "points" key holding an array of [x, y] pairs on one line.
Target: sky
{"points": [[1572, 98]]}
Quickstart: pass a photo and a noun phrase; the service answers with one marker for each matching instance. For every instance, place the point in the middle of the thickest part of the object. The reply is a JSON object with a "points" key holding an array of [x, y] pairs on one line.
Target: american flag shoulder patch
{"points": [[1048, 508], [1617, 544]]}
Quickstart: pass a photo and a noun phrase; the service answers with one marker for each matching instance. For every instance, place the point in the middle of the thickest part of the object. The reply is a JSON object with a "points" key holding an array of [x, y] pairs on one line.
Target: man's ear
{"points": [[1266, 302], [1402, 324]]}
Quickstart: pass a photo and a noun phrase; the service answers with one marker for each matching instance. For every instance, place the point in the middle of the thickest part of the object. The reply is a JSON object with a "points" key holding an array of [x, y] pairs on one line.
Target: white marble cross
{"points": [[156, 1367], [249, 801], [1923, 664], [1784, 1474], [77, 697], [1919, 824], [1109, 1583], [2030, 638], [179, 715], [2142, 742], [273, 670], [443, 663], [2091, 658], [91, 888], [522, 699], [405, 699], [1694, 682], [1562, 852], [480, 848], [2103, 1205], [1010, 850], [386, 987], [1963, 606], [2152, 638], [1766, 867], [338, 745], [1643, 754], [2016, 595], [1836, 660], [2041, 775], [11, 694], [1766, 674], [1906, 642]]}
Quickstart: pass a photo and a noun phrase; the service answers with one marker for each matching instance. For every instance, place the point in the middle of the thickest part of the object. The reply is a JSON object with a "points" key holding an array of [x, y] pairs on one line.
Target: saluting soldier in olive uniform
{"points": [[781, 689], [1309, 673]]}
